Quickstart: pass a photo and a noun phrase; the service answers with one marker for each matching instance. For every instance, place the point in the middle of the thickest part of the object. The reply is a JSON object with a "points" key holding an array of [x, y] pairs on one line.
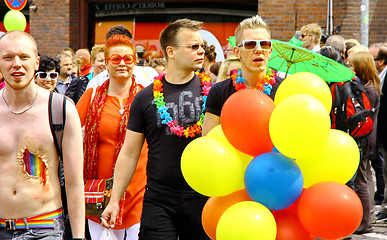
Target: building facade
{"points": [[82, 23]]}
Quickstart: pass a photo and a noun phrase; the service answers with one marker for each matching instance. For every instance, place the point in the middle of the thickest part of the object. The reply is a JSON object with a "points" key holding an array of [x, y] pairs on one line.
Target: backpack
{"points": [[57, 119], [351, 109]]}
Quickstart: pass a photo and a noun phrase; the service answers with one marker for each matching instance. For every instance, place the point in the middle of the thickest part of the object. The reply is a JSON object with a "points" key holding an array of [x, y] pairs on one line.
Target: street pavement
{"points": [[379, 232]]}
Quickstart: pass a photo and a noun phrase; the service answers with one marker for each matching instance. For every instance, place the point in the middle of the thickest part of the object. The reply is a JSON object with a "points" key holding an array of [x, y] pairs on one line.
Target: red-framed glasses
{"points": [[128, 59]]}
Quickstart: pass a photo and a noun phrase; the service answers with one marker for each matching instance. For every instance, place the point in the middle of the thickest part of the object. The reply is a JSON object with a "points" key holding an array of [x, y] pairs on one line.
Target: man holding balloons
{"points": [[253, 48], [301, 181]]}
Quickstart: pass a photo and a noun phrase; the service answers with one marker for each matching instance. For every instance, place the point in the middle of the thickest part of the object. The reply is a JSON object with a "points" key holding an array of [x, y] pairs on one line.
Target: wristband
{"points": [[79, 238]]}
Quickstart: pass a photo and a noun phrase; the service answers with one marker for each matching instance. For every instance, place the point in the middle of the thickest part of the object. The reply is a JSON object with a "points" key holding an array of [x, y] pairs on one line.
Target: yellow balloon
{"points": [[299, 126], [305, 82], [337, 161], [217, 133], [15, 20], [246, 220], [212, 167]]}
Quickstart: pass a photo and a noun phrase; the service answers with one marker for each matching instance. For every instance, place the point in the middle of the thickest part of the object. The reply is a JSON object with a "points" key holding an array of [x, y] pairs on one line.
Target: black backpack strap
{"points": [[57, 118], [340, 105]]}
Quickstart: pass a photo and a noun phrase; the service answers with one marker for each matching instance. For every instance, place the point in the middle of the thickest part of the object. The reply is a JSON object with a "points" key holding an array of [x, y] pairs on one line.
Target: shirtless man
{"points": [[29, 184]]}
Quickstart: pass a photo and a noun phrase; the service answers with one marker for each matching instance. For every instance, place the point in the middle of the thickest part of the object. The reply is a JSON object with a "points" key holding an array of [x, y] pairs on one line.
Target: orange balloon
{"points": [[216, 206], [289, 226], [330, 210], [245, 121]]}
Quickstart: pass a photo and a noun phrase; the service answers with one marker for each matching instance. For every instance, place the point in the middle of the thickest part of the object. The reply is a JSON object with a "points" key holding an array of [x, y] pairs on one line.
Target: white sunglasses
{"points": [[250, 45]]}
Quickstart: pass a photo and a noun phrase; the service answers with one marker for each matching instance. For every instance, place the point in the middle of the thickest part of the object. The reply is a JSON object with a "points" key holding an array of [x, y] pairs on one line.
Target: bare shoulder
{"points": [[72, 116]]}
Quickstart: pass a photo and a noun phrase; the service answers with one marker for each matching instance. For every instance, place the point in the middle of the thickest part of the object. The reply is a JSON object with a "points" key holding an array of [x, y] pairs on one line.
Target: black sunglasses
{"points": [[304, 35], [194, 47]]}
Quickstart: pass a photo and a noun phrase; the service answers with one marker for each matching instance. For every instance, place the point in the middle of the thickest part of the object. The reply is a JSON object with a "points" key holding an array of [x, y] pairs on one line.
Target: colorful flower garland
{"points": [[264, 86], [163, 110]]}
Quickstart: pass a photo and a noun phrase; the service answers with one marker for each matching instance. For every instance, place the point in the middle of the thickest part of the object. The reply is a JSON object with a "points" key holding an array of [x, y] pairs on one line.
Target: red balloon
{"points": [[289, 226], [330, 210], [245, 121], [216, 206]]}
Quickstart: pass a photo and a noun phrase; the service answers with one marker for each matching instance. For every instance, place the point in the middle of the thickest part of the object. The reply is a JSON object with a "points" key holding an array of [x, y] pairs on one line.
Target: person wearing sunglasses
{"points": [[47, 74], [165, 114], [311, 36], [253, 49], [104, 114], [144, 74]]}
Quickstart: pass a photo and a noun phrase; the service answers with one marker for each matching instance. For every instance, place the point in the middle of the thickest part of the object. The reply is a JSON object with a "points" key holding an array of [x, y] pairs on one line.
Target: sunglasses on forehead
{"points": [[44, 75], [194, 47], [128, 59], [251, 45]]}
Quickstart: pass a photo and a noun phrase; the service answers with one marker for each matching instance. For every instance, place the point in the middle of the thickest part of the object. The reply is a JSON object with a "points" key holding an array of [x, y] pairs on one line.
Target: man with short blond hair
{"points": [[253, 49], [311, 35], [30, 191]]}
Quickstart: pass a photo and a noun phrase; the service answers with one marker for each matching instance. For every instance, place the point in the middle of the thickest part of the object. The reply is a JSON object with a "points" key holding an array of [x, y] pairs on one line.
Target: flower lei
{"points": [[264, 86], [163, 110]]}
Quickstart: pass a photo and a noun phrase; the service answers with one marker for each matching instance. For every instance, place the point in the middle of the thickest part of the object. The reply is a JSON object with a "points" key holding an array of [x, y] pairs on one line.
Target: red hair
{"points": [[116, 40]]}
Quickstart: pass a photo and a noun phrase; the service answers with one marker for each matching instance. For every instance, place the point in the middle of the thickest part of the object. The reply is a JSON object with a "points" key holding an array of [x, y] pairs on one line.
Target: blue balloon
{"points": [[273, 180], [275, 150]]}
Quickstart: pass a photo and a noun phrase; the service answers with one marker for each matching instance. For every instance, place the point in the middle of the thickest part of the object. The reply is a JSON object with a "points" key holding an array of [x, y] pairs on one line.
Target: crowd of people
{"points": [[129, 116]]}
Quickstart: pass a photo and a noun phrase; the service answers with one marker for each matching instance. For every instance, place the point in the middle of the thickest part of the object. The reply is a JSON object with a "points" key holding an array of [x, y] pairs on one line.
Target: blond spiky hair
{"points": [[252, 22]]}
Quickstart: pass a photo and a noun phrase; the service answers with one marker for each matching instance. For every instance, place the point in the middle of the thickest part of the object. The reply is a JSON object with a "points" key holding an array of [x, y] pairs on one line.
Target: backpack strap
{"points": [[57, 118]]}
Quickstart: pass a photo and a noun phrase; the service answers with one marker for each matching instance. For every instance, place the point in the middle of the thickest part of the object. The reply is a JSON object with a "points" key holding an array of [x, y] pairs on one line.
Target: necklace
{"points": [[264, 85], [163, 110], [25, 110]]}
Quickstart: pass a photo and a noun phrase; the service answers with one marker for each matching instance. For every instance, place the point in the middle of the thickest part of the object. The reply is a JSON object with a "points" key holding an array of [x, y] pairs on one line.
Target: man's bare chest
{"points": [[30, 131]]}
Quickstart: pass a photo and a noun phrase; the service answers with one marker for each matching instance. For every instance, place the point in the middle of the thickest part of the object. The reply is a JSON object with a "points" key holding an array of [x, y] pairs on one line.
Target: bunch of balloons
{"points": [[14, 20], [275, 170]]}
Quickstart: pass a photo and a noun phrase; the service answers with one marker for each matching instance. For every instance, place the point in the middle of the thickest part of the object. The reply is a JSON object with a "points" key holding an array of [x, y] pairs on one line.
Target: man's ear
{"points": [[37, 63], [170, 52], [237, 52]]}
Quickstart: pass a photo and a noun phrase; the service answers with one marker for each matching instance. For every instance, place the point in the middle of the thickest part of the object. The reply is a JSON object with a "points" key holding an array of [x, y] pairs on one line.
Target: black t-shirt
{"points": [[184, 102], [221, 91]]}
